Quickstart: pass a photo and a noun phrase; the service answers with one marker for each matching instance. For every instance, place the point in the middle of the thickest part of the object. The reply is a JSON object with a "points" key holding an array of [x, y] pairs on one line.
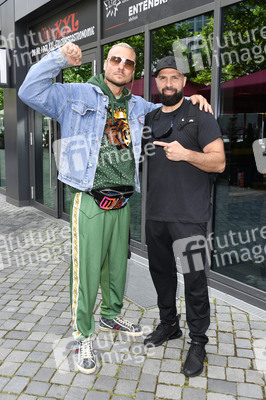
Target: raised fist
{"points": [[72, 53]]}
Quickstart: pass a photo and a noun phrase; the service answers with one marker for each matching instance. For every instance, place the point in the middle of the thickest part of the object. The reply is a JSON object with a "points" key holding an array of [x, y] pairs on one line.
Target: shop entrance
{"points": [[47, 193]]}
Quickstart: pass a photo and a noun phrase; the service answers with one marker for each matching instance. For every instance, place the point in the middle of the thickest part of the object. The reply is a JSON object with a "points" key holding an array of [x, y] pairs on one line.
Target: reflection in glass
{"points": [[240, 215], [44, 160], [2, 142], [190, 42], [79, 74]]}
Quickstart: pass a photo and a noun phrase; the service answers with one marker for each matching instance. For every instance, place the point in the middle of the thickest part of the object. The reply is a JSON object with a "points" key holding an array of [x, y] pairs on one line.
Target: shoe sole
{"points": [[193, 375], [119, 331], [198, 373], [86, 371], [175, 336]]}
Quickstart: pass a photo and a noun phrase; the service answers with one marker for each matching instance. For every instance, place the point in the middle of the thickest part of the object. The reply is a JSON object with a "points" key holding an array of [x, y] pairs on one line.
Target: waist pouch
{"points": [[112, 198]]}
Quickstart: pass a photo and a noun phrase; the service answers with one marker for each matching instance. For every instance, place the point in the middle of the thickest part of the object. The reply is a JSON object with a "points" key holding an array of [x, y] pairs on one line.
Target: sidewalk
{"points": [[36, 358]]}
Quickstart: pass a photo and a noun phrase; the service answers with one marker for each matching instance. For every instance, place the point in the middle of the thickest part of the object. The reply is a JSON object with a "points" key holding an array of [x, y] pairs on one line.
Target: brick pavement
{"points": [[35, 332]]}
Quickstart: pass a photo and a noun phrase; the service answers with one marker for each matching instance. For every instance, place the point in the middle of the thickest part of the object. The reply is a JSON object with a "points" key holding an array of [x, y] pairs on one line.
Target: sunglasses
{"points": [[115, 60], [165, 134]]}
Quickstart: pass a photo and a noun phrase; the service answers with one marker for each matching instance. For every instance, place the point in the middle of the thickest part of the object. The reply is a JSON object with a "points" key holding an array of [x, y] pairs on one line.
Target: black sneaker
{"points": [[120, 324], [194, 362], [162, 333]]}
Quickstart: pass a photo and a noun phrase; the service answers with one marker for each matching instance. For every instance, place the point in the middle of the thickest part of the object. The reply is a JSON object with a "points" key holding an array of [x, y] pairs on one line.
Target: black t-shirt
{"points": [[178, 191]]}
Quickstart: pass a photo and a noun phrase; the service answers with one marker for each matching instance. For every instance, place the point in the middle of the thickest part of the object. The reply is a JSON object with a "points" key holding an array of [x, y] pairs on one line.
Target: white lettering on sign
{"points": [[144, 6]]}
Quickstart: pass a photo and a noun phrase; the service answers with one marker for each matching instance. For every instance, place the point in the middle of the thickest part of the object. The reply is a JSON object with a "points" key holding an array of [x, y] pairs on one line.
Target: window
{"points": [[2, 142], [240, 214], [190, 42]]}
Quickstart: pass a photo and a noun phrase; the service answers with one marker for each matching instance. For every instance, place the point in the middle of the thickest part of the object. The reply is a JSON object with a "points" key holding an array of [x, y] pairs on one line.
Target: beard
{"points": [[119, 84], [171, 100]]}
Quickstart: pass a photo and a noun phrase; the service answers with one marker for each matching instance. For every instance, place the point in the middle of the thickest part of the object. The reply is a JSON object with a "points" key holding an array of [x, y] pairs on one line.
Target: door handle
{"points": [[50, 152]]}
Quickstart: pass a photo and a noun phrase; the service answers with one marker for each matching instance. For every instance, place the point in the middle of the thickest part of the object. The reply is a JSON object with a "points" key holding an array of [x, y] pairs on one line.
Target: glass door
{"points": [[45, 187], [47, 193]]}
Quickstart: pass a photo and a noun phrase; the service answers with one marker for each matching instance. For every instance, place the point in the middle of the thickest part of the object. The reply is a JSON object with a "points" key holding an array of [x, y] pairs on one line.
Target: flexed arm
{"points": [[38, 90]]}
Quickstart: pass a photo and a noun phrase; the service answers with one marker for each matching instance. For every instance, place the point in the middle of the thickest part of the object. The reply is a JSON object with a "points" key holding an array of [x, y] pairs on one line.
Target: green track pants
{"points": [[98, 257]]}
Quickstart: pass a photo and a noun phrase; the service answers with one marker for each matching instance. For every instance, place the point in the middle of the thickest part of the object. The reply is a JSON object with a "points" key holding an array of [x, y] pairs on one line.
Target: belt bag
{"points": [[112, 198]]}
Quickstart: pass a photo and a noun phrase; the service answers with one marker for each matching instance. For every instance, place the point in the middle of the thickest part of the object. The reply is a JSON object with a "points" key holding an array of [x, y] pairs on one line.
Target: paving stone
{"points": [[235, 375], [105, 383], [17, 356], [243, 343], [127, 372], [93, 395], [63, 378], [44, 374], [147, 382], [217, 360], [168, 392], [151, 367], [5, 396], [109, 369], [254, 377], [249, 390], [144, 396], [216, 372], [171, 378], [58, 391], [239, 362], [218, 396], [3, 382], [195, 394], [16, 385], [125, 387], [220, 386], [76, 394], [9, 368], [27, 397], [26, 345], [198, 382], [37, 388], [226, 349], [28, 369], [245, 353], [170, 365]]}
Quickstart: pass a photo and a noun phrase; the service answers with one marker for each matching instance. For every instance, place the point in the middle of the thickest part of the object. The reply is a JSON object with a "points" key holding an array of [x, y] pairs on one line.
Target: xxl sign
{"points": [[75, 24], [123, 15]]}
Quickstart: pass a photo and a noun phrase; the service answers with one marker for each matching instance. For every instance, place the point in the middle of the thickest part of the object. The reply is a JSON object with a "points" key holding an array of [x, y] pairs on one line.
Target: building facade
{"points": [[222, 46]]}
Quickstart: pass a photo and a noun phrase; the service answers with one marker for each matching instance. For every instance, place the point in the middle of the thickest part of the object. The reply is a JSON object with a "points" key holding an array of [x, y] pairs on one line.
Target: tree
{"points": [[1, 99]]}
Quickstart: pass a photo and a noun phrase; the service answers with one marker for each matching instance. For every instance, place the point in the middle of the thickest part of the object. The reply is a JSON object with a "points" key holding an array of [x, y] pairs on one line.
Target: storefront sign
{"points": [[122, 15], [76, 24]]}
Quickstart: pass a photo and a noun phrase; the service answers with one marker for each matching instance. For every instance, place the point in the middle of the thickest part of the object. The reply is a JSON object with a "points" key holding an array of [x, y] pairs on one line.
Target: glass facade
{"points": [[190, 36], [228, 70], [2, 142], [240, 213]]}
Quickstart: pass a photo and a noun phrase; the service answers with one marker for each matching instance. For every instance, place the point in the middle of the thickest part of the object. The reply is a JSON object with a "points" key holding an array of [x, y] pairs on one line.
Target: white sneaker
{"points": [[84, 357]]}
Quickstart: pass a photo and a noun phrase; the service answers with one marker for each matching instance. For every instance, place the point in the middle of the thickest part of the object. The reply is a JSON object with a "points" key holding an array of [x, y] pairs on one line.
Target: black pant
{"points": [[160, 237]]}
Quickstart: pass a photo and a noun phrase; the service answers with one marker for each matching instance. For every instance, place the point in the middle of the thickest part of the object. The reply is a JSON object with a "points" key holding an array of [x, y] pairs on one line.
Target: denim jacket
{"points": [[81, 110]]}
